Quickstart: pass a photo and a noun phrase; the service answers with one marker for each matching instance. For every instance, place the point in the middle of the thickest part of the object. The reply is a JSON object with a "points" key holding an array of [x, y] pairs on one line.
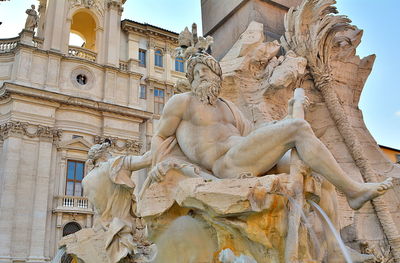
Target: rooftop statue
{"points": [[32, 19]]}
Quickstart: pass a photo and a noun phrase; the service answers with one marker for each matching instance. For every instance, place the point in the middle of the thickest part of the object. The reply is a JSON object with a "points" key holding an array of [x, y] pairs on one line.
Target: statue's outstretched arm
{"points": [[134, 163]]}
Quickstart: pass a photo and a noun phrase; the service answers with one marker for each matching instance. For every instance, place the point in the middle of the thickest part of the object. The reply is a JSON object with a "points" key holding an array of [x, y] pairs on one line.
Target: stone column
{"points": [[55, 25], [150, 97], [64, 41], [10, 162], [99, 47], [168, 63], [38, 233], [112, 33], [150, 51], [133, 98], [110, 85]]}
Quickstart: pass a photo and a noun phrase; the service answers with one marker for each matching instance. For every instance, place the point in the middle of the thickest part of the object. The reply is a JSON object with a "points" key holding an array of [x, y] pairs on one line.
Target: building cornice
{"points": [[151, 80], [8, 89], [149, 30]]}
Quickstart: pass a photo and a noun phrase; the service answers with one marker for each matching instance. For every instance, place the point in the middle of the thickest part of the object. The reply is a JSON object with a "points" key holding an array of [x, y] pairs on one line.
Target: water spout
{"points": [[60, 253], [307, 224], [333, 230]]}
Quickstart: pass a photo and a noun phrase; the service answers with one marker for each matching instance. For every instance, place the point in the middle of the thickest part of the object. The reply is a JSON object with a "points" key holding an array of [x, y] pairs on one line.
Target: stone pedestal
{"points": [[26, 37]]}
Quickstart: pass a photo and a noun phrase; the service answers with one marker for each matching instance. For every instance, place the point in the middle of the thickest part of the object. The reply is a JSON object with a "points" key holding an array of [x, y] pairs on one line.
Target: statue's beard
{"points": [[207, 91]]}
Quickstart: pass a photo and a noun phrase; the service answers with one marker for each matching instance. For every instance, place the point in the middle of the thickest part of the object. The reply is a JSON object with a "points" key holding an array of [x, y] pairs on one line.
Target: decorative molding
{"points": [[116, 4], [131, 146], [150, 31], [29, 130], [10, 89], [151, 80]]}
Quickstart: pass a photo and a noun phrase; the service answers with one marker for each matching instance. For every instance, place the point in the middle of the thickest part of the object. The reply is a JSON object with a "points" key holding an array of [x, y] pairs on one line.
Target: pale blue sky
{"points": [[380, 100]]}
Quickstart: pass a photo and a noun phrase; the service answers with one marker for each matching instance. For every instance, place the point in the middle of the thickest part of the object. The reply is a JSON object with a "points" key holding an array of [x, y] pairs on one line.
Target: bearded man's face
{"points": [[206, 85]]}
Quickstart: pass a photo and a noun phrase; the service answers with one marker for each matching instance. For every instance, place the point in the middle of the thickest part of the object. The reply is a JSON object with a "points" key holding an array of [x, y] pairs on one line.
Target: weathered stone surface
{"points": [[228, 197]]}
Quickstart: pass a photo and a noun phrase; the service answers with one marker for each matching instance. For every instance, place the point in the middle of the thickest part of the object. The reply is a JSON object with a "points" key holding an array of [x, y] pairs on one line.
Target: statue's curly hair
{"points": [[205, 59], [95, 152]]}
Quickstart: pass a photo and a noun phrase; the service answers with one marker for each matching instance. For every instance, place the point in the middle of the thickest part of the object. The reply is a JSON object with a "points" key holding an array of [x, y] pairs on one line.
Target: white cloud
{"points": [[398, 113]]}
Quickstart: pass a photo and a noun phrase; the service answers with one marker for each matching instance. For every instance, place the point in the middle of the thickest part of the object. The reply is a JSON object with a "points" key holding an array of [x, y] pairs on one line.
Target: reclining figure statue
{"points": [[213, 134], [202, 135]]}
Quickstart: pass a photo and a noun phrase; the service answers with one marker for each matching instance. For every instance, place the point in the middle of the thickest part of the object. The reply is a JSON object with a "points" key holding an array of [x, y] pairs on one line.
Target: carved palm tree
{"points": [[311, 32]]}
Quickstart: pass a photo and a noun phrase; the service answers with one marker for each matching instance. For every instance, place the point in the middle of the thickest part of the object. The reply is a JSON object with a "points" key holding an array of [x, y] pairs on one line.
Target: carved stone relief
{"points": [[29, 130], [121, 145]]}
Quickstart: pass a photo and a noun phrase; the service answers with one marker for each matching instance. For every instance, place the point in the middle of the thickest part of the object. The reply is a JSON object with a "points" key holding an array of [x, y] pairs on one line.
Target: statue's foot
{"points": [[368, 192]]}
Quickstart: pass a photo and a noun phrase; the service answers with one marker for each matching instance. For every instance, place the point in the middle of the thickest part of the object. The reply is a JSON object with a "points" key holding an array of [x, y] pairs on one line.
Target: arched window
{"points": [[158, 57], [84, 26], [179, 65], [71, 228]]}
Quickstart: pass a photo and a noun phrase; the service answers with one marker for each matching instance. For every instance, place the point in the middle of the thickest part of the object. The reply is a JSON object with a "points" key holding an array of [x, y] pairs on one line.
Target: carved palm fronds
{"points": [[311, 32]]}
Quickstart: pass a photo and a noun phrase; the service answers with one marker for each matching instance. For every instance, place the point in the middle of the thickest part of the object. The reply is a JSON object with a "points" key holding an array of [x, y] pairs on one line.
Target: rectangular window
{"points": [[142, 57], [179, 65], [398, 158], [159, 100], [158, 58], [143, 92], [75, 172]]}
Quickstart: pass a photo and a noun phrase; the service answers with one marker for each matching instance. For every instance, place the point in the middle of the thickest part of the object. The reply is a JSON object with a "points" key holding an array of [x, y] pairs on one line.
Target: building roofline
{"points": [[389, 148], [127, 24]]}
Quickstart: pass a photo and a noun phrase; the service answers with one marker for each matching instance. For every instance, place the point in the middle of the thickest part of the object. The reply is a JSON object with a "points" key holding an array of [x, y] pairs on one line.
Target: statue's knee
{"points": [[302, 125]]}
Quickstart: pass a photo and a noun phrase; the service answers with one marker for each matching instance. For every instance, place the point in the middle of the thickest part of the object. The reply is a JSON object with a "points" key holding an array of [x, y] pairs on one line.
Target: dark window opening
{"points": [[75, 173]]}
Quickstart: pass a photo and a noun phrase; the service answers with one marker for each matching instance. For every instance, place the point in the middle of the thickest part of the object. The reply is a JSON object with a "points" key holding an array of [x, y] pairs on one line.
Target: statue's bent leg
{"points": [[262, 148]]}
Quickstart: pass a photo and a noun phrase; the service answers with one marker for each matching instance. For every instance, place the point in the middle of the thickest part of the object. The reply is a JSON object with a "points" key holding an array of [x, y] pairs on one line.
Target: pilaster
{"points": [[38, 233], [26, 162], [112, 33], [10, 162]]}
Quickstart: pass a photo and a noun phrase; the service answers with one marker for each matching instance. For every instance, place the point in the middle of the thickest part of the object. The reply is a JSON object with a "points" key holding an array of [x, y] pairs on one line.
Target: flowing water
{"points": [[308, 225], [60, 253], [333, 230]]}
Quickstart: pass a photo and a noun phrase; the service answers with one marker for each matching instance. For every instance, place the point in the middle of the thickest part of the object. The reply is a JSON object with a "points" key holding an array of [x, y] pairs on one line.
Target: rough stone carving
{"points": [[314, 37], [32, 19]]}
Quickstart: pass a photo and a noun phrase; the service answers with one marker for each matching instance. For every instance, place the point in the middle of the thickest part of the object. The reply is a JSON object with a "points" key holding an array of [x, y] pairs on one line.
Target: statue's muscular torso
{"points": [[204, 132]]}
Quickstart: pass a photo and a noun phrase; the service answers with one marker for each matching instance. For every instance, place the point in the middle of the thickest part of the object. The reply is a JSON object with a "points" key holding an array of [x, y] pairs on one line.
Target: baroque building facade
{"points": [[57, 100]]}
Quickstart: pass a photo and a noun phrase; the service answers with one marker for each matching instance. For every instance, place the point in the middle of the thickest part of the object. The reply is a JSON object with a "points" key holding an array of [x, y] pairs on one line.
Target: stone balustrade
{"points": [[123, 65], [67, 203], [37, 42], [83, 53], [7, 45]]}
